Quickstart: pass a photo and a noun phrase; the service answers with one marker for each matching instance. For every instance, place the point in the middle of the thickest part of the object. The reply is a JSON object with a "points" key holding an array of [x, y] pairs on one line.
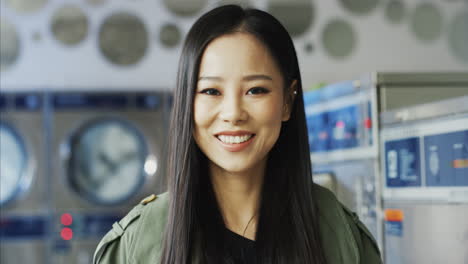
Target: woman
{"points": [[240, 183]]}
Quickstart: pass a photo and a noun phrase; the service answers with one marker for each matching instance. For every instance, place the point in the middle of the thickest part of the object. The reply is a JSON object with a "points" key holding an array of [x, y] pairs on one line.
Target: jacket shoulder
{"points": [[125, 237], [345, 237], [368, 248], [339, 243]]}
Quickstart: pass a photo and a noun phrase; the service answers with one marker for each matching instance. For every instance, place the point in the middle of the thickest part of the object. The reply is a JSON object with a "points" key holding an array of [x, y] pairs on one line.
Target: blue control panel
{"points": [[91, 225], [84, 226], [23, 227], [3, 102], [28, 102], [446, 159], [148, 101], [339, 127], [21, 101], [342, 128], [319, 133], [96, 225], [443, 162], [343, 125], [76, 101], [402, 159]]}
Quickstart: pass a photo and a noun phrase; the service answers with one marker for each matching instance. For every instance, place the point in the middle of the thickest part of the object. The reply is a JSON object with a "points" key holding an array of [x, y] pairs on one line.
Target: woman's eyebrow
{"points": [[245, 78], [257, 77]]}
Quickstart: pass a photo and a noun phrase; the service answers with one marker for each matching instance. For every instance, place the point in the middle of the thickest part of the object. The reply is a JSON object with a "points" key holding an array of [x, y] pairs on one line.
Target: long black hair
{"points": [[287, 230]]}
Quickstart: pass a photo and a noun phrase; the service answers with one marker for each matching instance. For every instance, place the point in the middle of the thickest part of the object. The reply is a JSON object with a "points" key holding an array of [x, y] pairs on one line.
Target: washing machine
{"points": [[24, 210], [344, 127], [108, 153], [341, 120], [425, 187]]}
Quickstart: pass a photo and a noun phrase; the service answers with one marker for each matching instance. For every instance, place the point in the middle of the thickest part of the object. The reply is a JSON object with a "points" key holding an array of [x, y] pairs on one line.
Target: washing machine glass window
{"points": [[107, 161], [14, 179]]}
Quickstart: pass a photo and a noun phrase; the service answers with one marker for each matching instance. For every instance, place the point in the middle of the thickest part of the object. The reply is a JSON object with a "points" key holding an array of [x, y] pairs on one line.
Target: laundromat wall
{"points": [[105, 44], [78, 76]]}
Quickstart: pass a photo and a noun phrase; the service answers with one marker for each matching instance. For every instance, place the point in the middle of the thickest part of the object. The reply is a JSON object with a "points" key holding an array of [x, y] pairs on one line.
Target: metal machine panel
{"points": [[108, 154], [353, 182], [426, 160], [402, 90], [24, 207], [429, 233], [446, 159], [425, 191], [402, 160]]}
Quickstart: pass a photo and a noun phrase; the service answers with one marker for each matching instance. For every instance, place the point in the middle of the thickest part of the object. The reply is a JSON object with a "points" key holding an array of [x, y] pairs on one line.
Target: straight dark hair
{"points": [[287, 230]]}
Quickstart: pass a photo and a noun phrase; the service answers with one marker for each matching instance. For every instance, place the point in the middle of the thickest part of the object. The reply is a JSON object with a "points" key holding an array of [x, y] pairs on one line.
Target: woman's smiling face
{"points": [[239, 103]]}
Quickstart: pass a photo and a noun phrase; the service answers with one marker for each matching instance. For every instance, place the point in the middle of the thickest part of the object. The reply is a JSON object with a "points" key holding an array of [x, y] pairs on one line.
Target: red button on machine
{"points": [[66, 219], [66, 233]]}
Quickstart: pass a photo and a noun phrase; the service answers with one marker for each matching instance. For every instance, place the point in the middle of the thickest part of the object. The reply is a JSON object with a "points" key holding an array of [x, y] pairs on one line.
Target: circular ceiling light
{"points": [[184, 7], [296, 16], [123, 39], [9, 44], [395, 11], [426, 22], [169, 35], [458, 36], [359, 7], [338, 38], [69, 25]]}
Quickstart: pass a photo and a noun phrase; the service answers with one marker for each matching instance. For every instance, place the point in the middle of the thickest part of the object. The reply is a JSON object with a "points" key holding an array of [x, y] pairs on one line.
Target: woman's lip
{"points": [[234, 133], [236, 147]]}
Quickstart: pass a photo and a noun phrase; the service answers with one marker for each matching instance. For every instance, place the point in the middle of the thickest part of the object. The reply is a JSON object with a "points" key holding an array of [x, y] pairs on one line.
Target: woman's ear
{"points": [[288, 101]]}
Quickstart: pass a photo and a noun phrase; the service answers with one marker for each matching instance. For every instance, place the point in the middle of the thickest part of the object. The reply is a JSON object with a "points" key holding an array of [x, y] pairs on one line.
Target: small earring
{"points": [[295, 92]]}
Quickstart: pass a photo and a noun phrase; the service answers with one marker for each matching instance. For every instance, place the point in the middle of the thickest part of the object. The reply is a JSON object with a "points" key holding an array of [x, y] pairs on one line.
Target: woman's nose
{"points": [[232, 110]]}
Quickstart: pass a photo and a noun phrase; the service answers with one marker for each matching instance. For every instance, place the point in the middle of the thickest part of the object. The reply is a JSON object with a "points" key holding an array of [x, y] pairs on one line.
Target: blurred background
{"points": [[86, 91]]}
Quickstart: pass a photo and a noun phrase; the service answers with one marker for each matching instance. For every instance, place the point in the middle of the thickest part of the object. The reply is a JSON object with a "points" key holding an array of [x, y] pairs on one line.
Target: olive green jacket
{"points": [[137, 238]]}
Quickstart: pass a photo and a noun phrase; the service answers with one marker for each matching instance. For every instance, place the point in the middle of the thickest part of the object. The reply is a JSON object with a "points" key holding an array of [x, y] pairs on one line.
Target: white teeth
{"points": [[234, 139]]}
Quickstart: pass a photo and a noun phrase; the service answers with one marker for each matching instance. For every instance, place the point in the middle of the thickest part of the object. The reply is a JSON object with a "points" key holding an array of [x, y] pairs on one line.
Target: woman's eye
{"points": [[210, 91], [258, 90]]}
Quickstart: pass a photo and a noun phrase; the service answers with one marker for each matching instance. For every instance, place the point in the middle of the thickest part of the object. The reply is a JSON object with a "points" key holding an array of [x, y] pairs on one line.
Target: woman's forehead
{"points": [[237, 54]]}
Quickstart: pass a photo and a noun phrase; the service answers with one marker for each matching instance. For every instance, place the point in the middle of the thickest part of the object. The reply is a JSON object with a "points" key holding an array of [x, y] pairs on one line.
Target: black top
{"points": [[241, 250]]}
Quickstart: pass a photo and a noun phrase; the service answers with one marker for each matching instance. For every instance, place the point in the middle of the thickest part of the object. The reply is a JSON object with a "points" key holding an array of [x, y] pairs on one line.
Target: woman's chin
{"points": [[233, 168], [237, 166]]}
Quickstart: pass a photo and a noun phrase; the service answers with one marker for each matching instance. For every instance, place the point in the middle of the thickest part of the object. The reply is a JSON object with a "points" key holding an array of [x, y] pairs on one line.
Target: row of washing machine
{"points": [[394, 148], [73, 163]]}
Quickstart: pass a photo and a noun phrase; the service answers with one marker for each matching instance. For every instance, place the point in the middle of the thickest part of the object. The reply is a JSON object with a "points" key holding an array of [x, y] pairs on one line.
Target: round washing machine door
{"points": [[107, 161], [14, 161]]}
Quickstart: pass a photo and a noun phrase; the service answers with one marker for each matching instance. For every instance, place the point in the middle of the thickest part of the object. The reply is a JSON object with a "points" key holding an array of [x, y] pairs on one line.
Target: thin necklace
{"points": [[253, 216]]}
